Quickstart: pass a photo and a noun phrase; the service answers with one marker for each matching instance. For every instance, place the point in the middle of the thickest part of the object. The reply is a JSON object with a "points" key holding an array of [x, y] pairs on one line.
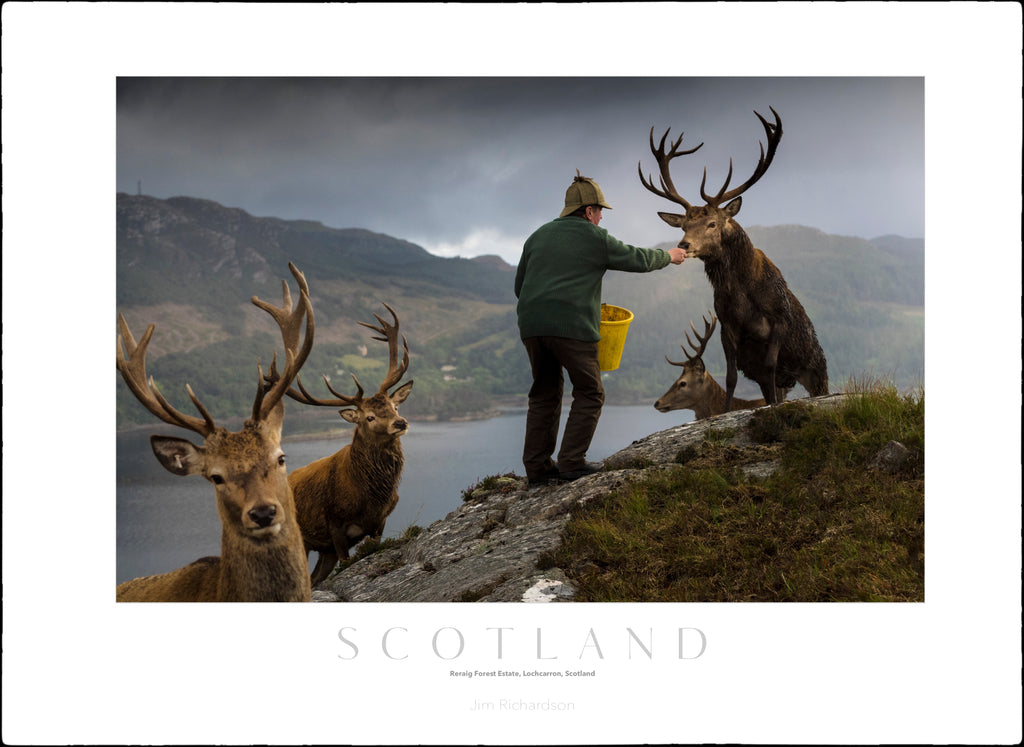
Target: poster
{"points": [[79, 669]]}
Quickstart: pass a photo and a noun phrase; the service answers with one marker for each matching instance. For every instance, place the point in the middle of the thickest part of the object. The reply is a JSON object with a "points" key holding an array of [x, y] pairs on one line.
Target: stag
{"points": [[261, 552], [345, 497], [696, 389], [766, 333]]}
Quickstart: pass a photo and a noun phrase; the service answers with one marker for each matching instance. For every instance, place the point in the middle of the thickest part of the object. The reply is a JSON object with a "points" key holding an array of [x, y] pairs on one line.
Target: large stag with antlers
{"points": [[261, 554], [766, 333], [696, 389], [347, 496]]}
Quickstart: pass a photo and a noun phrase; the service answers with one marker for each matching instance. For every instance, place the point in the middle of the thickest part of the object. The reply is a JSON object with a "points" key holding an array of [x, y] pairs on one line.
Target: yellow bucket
{"points": [[614, 326]]}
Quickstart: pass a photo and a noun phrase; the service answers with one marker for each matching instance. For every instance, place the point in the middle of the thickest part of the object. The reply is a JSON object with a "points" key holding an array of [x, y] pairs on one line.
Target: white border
{"points": [[78, 670]]}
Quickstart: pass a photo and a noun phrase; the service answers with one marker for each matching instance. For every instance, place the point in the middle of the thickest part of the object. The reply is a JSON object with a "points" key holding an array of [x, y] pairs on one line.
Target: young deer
{"points": [[347, 496], [766, 333], [261, 553], [696, 389]]}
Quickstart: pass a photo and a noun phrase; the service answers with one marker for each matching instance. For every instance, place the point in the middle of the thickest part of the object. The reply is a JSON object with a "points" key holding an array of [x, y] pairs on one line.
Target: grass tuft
{"points": [[826, 526], [506, 483], [370, 546]]}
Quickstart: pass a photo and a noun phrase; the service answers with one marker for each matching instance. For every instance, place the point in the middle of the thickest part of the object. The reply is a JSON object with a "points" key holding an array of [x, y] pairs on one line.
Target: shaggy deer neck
{"points": [[264, 571], [736, 259], [376, 467]]}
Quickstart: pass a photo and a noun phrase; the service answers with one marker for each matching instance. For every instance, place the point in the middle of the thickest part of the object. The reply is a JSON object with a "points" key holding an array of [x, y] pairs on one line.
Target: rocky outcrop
{"points": [[497, 546], [487, 550]]}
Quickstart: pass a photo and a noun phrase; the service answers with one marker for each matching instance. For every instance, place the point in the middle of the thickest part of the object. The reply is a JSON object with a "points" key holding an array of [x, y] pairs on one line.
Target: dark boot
{"points": [[587, 469]]}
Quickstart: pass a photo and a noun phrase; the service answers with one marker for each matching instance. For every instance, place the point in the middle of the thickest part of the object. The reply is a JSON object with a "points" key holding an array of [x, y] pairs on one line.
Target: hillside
{"points": [[818, 500], [190, 266]]}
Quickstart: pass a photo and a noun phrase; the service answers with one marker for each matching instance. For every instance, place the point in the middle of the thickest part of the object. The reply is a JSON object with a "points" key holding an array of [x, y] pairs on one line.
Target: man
{"points": [[558, 284]]}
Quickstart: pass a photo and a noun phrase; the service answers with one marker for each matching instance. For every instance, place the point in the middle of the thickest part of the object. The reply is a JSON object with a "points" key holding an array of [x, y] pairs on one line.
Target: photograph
{"points": [[466, 432], [564, 368]]}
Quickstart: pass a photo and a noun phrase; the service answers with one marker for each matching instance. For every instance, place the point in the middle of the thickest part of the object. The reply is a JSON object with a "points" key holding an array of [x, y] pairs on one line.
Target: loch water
{"points": [[165, 522]]}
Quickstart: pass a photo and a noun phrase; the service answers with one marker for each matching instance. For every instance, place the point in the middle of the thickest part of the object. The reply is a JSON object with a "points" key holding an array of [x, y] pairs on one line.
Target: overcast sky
{"points": [[468, 166]]}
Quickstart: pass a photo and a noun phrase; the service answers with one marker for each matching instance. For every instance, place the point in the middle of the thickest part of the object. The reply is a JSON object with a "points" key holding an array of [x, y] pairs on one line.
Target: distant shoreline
{"points": [[315, 431], [329, 433]]}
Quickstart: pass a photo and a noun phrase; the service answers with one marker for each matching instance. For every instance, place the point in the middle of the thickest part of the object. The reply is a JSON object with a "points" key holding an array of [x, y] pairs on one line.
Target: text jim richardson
{"points": [[519, 704]]}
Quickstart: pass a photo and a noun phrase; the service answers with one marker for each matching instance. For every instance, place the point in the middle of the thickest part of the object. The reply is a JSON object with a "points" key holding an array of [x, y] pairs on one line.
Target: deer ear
{"points": [[351, 416], [733, 207], [178, 455], [673, 219], [401, 393]]}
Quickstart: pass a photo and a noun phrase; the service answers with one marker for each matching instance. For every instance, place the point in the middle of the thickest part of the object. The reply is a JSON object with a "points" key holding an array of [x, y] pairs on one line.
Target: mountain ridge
{"points": [[190, 266]]}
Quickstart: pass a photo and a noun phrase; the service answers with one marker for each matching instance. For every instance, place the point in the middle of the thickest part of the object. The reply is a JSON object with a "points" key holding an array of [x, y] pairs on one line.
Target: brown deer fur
{"points": [[697, 390], [262, 557], [345, 497], [766, 333], [256, 564]]}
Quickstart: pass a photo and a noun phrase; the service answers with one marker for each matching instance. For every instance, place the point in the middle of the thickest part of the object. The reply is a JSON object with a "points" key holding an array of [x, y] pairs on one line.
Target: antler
{"points": [[290, 322], [668, 190], [395, 372], [709, 328], [390, 335], [774, 133], [133, 371], [131, 362]]}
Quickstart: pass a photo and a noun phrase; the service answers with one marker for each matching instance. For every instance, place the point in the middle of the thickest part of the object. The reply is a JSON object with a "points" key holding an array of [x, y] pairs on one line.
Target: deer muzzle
{"points": [[662, 407], [692, 250], [262, 520]]}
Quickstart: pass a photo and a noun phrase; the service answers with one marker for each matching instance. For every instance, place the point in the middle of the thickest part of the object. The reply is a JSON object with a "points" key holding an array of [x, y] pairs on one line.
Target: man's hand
{"points": [[677, 255]]}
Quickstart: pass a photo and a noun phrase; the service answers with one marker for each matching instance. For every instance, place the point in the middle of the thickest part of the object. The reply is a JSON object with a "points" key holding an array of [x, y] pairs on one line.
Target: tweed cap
{"points": [[583, 191]]}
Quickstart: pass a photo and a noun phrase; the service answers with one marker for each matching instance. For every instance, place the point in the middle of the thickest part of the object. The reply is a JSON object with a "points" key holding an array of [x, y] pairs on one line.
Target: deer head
{"points": [[376, 418], [694, 384], [707, 227], [247, 467]]}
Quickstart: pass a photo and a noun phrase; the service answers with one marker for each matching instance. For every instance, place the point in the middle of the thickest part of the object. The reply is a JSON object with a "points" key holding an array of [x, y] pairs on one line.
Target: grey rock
{"points": [[891, 458], [498, 546]]}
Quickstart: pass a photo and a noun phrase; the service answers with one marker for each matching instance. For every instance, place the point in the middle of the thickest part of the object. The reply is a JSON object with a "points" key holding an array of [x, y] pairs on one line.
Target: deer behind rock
{"points": [[696, 389], [347, 496], [766, 332]]}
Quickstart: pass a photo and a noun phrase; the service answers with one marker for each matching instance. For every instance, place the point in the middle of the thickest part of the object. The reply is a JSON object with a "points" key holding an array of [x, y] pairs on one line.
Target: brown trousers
{"points": [[548, 356]]}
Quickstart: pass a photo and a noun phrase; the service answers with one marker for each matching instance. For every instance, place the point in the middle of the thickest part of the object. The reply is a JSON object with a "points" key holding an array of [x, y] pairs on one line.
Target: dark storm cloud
{"points": [[472, 165]]}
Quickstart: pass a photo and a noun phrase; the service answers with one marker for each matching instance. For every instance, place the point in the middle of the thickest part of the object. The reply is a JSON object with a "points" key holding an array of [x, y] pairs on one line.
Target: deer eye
{"points": [[711, 224], [217, 479], [682, 385], [280, 461], [370, 418]]}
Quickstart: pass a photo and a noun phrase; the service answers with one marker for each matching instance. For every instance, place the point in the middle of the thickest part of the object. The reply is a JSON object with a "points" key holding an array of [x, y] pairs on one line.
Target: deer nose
{"points": [[401, 424], [684, 245], [263, 515]]}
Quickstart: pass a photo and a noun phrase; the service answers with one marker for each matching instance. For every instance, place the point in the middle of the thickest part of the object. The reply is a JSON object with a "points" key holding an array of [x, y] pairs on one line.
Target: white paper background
{"points": [[77, 668]]}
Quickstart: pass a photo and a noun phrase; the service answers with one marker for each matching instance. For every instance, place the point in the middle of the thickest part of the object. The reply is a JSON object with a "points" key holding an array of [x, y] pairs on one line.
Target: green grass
{"points": [[360, 364], [503, 483], [371, 546], [824, 527]]}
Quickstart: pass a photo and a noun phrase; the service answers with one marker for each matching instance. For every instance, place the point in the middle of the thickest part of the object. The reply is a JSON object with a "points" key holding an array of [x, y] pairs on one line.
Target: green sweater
{"points": [[558, 281]]}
